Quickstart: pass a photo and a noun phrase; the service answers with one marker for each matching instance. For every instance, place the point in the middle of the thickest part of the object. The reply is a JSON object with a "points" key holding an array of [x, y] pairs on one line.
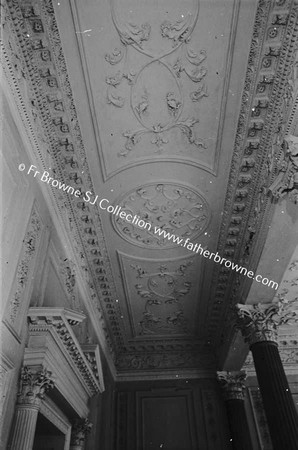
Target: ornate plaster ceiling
{"points": [[175, 111]]}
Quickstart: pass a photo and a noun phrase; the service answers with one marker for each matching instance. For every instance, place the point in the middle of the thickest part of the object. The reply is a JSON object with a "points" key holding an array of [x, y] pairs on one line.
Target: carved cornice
{"points": [[266, 104], [260, 322], [91, 352], [232, 384], [33, 385], [59, 322]]}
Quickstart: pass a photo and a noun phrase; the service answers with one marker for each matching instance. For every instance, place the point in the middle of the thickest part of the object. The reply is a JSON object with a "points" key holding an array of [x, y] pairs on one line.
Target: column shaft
{"points": [[278, 402], [238, 424], [24, 426]]}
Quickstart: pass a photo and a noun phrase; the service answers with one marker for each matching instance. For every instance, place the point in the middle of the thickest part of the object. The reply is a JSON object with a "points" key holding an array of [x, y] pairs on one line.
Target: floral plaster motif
{"points": [[162, 288], [173, 208], [160, 294], [157, 106]]}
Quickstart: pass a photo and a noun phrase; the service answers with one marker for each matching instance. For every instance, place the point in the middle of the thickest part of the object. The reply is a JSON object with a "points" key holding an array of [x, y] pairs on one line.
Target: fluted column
{"points": [[79, 433], [233, 388], [32, 388], [259, 325]]}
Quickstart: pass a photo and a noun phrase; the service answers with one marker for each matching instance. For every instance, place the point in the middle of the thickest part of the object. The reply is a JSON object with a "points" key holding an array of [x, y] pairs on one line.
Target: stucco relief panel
{"points": [[173, 208], [158, 89], [159, 295]]}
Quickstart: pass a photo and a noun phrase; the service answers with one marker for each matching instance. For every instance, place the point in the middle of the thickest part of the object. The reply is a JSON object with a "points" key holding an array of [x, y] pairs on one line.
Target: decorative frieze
{"points": [[165, 361]]}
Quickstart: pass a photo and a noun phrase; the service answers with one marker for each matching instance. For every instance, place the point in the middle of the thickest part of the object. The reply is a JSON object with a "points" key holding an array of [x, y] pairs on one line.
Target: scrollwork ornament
{"points": [[232, 384], [130, 34], [178, 31], [260, 322]]}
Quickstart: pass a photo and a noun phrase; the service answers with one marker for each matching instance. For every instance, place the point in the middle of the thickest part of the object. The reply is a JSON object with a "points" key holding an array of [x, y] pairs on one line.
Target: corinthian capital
{"points": [[79, 433], [232, 384], [33, 385], [260, 322]]}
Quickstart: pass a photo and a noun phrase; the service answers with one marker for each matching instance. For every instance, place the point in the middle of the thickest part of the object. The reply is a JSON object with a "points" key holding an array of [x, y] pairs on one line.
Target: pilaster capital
{"points": [[79, 433], [33, 385], [232, 384], [260, 322]]}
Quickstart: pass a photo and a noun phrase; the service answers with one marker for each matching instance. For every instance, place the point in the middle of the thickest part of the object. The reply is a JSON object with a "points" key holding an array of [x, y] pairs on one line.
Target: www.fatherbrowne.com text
{"points": [[117, 210]]}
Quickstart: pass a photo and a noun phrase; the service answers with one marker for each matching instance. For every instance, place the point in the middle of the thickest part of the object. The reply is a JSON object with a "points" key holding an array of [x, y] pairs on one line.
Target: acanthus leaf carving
{"points": [[161, 289], [135, 34], [199, 93], [80, 429], [232, 384], [174, 208], [178, 31], [260, 322], [173, 104], [115, 99], [115, 79], [33, 385], [115, 56], [185, 125]]}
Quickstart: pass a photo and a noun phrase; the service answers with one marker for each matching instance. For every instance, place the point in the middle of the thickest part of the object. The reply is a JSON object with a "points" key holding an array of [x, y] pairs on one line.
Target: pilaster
{"points": [[233, 388], [33, 385]]}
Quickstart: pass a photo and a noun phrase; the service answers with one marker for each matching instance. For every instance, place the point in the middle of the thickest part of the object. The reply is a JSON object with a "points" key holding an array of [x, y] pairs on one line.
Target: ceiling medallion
{"points": [[176, 209], [158, 107]]}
